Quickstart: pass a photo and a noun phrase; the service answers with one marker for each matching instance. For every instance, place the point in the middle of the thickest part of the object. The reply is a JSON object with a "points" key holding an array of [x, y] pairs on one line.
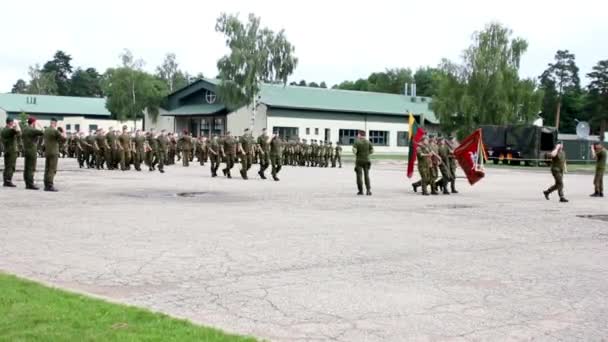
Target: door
{"points": [[327, 134]]}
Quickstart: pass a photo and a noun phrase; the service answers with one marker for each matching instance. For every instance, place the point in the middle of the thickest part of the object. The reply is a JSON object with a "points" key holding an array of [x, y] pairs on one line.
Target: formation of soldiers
{"points": [[436, 165], [314, 154]]}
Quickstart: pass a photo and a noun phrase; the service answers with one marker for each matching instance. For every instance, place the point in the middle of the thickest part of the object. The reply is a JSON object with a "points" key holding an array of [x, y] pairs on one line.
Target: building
{"points": [[304, 112], [72, 113]]}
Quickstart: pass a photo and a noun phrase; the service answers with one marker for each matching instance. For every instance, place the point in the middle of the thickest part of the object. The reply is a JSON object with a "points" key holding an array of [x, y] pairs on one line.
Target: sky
{"points": [[334, 40]]}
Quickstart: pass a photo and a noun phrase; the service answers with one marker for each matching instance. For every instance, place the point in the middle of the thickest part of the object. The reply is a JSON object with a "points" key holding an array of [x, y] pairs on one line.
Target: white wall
{"points": [[162, 122], [240, 119], [2, 117], [101, 123], [312, 120]]}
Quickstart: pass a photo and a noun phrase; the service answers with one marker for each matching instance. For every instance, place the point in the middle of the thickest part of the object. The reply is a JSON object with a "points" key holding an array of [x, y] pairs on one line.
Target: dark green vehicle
{"points": [[514, 144]]}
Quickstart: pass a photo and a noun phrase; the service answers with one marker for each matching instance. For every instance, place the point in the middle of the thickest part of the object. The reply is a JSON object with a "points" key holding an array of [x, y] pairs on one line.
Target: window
{"points": [[218, 126], [77, 127], [287, 133], [402, 138], [347, 136], [378, 138], [316, 131], [68, 127], [92, 128], [307, 130]]}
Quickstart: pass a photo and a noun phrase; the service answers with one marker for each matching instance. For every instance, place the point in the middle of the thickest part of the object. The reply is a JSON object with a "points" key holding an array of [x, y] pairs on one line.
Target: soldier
{"points": [[362, 149], [423, 155], [338, 155], [276, 151], [104, 149], [228, 149], [246, 148], [435, 160], [185, 146], [444, 166], [330, 155], [264, 150], [10, 135], [108, 151], [304, 152], [598, 152], [214, 155], [53, 137], [173, 150], [163, 147], [558, 167], [139, 149], [205, 149], [124, 148], [452, 163], [152, 152], [30, 136]]}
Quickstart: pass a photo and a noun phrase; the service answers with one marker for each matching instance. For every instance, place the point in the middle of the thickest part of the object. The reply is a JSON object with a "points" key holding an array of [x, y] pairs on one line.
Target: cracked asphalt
{"points": [[304, 259]]}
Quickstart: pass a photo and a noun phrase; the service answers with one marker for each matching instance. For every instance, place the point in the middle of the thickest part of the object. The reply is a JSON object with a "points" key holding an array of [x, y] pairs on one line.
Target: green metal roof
{"points": [[196, 109], [345, 101], [48, 104]]}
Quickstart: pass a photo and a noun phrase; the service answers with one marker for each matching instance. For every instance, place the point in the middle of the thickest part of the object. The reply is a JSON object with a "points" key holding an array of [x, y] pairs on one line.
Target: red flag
{"points": [[471, 156], [416, 134]]}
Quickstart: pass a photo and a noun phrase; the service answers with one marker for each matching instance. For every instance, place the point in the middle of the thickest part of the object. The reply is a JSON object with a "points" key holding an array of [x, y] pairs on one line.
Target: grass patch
{"points": [[32, 312]]}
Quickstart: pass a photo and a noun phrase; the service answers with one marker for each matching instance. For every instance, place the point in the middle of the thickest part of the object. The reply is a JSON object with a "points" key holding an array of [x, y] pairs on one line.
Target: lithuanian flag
{"points": [[415, 134]]}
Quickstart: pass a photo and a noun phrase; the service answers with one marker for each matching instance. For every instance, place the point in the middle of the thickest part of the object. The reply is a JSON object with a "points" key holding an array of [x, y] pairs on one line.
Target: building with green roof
{"points": [[299, 112], [73, 113]]}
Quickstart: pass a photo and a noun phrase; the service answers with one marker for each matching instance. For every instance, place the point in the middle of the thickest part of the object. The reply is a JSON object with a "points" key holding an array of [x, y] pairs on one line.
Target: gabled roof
{"points": [[196, 109], [50, 104], [334, 100]]}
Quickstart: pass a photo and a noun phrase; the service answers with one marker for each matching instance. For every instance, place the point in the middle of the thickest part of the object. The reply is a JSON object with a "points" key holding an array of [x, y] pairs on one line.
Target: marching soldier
{"points": [[452, 164], [105, 151], [558, 167], [443, 152], [163, 146], [330, 155], [139, 149], [152, 152], [362, 149], [246, 148], [30, 136], [264, 150], [10, 136], [229, 152], [423, 155], [435, 160], [91, 150], [214, 155], [338, 155], [124, 149], [598, 152], [276, 150], [53, 137], [185, 146]]}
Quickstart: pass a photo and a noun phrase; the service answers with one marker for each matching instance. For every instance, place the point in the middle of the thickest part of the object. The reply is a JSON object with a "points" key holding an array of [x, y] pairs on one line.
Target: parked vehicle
{"points": [[514, 144]]}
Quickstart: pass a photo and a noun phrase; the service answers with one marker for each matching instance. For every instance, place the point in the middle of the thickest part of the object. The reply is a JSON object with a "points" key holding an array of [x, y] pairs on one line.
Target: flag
{"points": [[415, 135], [471, 156]]}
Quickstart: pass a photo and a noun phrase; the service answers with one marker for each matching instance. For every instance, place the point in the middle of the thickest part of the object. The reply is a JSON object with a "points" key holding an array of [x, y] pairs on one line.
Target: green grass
{"points": [[32, 312]]}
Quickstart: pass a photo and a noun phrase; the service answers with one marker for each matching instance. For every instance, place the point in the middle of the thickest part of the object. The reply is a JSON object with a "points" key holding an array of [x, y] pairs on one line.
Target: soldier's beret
{"points": [[31, 120], [53, 120], [9, 120]]}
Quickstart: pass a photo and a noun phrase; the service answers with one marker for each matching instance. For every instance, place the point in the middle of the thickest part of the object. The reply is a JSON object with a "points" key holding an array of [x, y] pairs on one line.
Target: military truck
{"points": [[514, 144]]}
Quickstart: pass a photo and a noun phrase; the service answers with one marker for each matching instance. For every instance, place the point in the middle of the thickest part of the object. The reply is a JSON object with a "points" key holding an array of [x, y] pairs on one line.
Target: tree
{"points": [[86, 83], [598, 95], [42, 83], [130, 90], [323, 85], [302, 83], [170, 73], [426, 80], [313, 85], [61, 68], [564, 76], [256, 55], [22, 120], [486, 88], [293, 83], [20, 87]]}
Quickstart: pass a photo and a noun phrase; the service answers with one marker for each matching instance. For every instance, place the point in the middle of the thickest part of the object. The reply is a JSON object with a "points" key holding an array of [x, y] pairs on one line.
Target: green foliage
{"points": [[598, 96], [564, 99], [323, 85], [170, 73], [20, 87], [61, 68], [486, 88], [31, 312], [86, 83], [22, 119], [42, 83], [130, 90], [256, 55], [313, 85], [426, 80]]}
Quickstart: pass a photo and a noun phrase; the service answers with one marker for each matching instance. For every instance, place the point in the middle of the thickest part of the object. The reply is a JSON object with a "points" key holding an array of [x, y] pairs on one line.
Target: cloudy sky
{"points": [[334, 40]]}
